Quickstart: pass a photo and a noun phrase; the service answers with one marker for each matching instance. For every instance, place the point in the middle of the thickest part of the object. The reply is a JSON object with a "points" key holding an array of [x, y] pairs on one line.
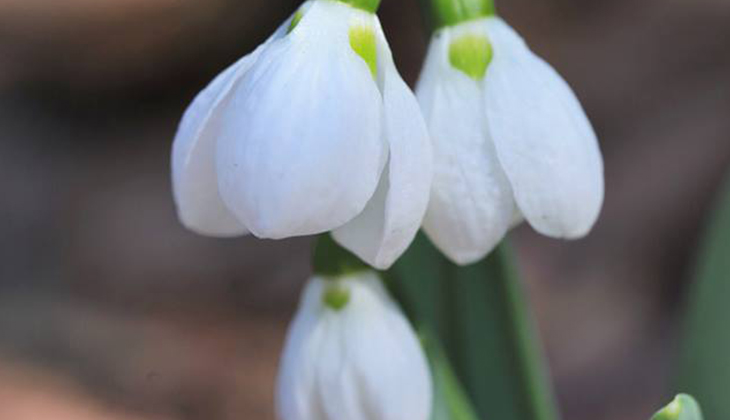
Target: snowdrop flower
{"points": [[510, 138], [314, 131], [351, 354]]}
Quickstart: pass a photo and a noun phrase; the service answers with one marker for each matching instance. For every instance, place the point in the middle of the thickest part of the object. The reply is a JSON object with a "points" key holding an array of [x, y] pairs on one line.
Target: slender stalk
{"points": [[367, 5], [450, 400], [480, 314], [530, 361], [441, 13], [331, 260], [496, 352], [703, 368]]}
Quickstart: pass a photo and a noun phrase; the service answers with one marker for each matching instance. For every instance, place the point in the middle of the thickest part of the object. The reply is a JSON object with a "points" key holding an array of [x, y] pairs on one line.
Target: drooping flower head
{"points": [[314, 131], [351, 354], [511, 140]]}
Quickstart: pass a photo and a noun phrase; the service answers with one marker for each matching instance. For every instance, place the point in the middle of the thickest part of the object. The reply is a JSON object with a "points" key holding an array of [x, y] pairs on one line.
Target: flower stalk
{"points": [[367, 5], [538, 396], [480, 314], [350, 352], [441, 13], [450, 399], [331, 260], [343, 148]]}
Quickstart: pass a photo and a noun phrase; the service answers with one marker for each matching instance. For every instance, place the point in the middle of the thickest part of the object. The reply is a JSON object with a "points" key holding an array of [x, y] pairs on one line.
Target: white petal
{"points": [[300, 150], [517, 218], [195, 182], [471, 206], [363, 362], [296, 397], [544, 140], [194, 177], [393, 378], [392, 218]]}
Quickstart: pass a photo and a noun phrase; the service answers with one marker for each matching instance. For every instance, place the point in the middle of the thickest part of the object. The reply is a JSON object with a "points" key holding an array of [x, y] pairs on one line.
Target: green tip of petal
{"points": [[683, 407], [362, 41], [295, 21], [336, 297], [471, 54]]}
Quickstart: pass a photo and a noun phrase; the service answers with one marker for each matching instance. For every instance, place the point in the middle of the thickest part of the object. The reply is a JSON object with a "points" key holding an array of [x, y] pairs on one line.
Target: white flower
{"points": [[314, 131], [350, 354], [511, 140]]}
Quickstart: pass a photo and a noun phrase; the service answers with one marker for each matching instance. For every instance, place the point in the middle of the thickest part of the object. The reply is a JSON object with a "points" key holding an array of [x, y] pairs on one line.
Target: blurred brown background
{"points": [[110, 310]]}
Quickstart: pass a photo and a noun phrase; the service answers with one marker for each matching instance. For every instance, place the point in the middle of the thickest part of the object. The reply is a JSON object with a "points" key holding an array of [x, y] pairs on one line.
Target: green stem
{"points": [[450, 400], [539, 396], [703, 366], [331, 260], [497, 337], [366, 5], [480, 314], [441, 13]]}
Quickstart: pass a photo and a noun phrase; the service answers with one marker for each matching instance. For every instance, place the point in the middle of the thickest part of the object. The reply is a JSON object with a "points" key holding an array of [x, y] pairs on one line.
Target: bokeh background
{"points": [[110, 310]]}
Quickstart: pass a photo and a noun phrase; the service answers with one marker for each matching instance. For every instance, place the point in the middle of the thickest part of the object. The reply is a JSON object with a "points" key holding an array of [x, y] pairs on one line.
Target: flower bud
{"points": [[315, 131], [351, 354], [510, 138], [683, 407]]}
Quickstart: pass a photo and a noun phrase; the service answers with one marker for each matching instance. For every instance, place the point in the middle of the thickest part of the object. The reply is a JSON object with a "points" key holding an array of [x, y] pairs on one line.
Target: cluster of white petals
{"points": [[510, 143], [305, 136], [356, 358], [315, 131]]}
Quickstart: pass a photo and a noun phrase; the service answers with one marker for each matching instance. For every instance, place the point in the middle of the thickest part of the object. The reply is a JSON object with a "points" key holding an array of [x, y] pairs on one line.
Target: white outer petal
{"points": [[363, 362], [296, 397], [300, 150], [544, 140], [194, 177], [471, 206], [393, 216]]}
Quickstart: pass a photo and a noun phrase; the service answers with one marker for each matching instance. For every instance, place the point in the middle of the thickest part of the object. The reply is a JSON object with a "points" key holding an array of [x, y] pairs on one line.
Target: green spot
{"points": [[362, 41], [471, 54], [295, 21], [336, 297]]}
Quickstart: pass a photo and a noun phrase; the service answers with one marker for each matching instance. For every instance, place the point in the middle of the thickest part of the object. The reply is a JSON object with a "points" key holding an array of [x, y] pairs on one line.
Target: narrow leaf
{"points": [[705, 356], [450, 401], [480, 315]]}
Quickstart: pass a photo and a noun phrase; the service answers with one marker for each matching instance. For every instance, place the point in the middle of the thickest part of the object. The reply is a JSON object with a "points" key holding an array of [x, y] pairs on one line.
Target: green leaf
{"points": [[704, 365], [450, 401], [479, 313], [683, 407]]}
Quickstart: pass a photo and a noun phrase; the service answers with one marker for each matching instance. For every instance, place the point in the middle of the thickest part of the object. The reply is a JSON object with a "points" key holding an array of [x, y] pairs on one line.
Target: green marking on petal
{"points": [[336, 297], [471, 54], [295, 21], [362, 41]]}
